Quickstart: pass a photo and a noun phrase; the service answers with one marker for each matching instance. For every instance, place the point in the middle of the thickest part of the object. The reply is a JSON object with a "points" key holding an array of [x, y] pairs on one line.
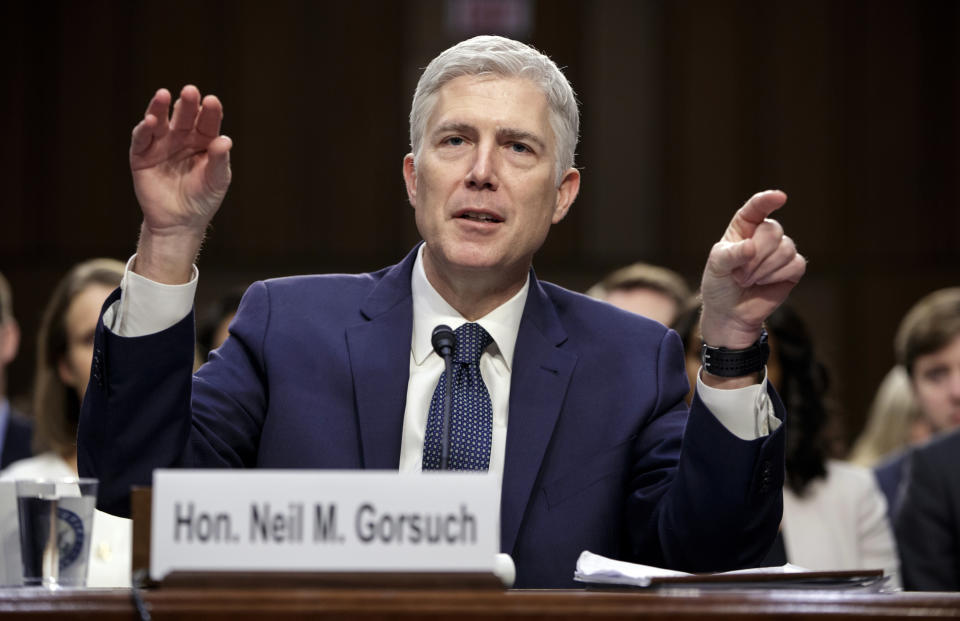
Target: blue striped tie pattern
{"points": [[471, 414]]}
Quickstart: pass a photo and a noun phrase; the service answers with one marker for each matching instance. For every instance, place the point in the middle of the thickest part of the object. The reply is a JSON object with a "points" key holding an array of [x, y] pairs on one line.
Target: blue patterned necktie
{"points": [[471, 414]]}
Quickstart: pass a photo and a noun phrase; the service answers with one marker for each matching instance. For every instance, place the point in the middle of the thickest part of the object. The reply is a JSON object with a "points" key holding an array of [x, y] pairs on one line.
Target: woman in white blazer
{"points": [[834, 514], [64, 355]]}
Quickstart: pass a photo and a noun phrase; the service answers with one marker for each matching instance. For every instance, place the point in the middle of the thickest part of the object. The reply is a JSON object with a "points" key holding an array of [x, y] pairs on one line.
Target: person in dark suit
{"points": [[17, 438], [16, 430], [338, 371], [928, 526]]}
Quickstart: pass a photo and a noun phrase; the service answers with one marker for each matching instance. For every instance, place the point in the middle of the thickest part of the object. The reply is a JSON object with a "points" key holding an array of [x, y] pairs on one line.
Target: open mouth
{"points": [[479, 217]]}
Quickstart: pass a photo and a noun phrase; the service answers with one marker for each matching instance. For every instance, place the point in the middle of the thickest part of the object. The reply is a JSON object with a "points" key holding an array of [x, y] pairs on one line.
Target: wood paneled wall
{"points": [[688, 107]]}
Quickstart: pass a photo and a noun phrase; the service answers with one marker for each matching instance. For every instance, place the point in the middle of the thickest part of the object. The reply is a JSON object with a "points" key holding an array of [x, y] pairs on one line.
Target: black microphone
{"points": [[443, 340]]}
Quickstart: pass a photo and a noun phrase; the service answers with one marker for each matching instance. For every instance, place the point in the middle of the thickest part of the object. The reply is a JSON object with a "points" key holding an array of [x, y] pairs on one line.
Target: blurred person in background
{"points": [[649, 290], [214, 323], [834, 514], [16, 429], [64, 355], [927, 345], [928, 496], [894, 421]]}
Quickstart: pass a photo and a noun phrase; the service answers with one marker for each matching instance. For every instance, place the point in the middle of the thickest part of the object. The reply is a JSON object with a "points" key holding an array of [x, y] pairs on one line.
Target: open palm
{"points": [[180, 165]]}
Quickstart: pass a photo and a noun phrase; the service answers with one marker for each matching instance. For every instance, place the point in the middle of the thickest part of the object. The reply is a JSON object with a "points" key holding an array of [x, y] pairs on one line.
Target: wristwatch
{"points": [[735, 362]]}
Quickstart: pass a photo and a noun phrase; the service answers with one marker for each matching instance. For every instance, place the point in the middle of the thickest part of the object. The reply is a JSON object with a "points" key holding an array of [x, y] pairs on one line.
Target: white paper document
{"points": [[596, 569]]}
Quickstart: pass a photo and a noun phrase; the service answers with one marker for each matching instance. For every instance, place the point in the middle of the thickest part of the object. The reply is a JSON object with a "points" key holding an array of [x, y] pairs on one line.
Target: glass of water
{"points": [[56, 524]]}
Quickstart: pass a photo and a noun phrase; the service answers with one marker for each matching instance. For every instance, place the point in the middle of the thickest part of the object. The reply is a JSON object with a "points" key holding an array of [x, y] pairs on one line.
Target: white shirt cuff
{"points": [[146, 307], [746, 412]]}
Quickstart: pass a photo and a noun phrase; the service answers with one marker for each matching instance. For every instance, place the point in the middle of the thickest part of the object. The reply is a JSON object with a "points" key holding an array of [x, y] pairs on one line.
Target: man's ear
{"points": [[9, 341], [410, 178], [566, 194]]}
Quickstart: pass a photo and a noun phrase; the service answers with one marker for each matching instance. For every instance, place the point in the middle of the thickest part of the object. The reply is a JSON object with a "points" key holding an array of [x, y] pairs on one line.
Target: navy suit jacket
{"points": [[17, 440], [314, 375], [892, 475], [928, 523]]}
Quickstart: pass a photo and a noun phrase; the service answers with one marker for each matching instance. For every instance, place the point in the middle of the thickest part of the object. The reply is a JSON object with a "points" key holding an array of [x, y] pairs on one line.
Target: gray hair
{"points": [[491, 55]]}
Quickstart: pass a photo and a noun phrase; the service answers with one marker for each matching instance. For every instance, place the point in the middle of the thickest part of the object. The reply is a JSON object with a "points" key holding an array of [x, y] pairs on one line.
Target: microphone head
{"points": [[443, 340]]}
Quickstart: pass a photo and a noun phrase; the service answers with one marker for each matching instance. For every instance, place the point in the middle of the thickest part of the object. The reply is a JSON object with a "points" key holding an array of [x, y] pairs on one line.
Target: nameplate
{"points": [[322, 521]]}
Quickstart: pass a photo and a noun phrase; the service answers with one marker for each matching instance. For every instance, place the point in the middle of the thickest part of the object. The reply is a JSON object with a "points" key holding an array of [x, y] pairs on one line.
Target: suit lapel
{"points": [[538, 385], [379, 351]]}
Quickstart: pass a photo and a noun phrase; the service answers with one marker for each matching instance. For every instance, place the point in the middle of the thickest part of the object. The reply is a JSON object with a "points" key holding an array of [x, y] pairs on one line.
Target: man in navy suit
{"points": [[338, 371], [927, 345]]}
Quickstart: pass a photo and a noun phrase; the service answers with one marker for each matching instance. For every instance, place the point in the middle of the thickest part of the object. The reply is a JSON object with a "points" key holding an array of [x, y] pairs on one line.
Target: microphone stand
{"points": [[447, 404], [443, 340]]}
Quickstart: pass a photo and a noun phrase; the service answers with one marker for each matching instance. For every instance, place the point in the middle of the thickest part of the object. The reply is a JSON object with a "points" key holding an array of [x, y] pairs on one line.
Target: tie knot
{"points": [[472, 339]]}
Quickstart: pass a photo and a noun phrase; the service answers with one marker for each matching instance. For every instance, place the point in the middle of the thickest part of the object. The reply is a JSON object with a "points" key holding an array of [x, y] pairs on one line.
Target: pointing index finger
{"points": [[753, 213]]}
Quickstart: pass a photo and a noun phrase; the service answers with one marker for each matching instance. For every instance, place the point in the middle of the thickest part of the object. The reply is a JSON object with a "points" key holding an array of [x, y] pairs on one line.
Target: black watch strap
{"points": [[735, 362]]}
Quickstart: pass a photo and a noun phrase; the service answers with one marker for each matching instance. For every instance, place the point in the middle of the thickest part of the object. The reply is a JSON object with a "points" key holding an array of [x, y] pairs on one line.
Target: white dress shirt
{"points": [[429, 311], [147, 307]]}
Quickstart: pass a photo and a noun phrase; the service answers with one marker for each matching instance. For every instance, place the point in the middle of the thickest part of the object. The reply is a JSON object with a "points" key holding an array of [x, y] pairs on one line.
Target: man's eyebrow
{"points": [[453, 126], [504, 133]]}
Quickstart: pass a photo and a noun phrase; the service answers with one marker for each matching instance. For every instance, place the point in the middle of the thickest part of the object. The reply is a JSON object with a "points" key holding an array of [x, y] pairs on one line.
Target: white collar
{"points": [[431, 310]]}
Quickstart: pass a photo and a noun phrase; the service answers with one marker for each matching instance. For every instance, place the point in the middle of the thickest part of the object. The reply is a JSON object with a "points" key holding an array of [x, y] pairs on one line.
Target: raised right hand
{"points": [[181, 172]]}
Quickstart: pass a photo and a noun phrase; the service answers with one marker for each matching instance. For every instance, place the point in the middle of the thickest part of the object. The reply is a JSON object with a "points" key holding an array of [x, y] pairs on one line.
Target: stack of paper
{"points": [[596, 569]]}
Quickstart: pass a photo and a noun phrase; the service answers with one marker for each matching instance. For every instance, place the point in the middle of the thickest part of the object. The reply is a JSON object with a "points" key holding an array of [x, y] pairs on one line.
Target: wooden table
{"points": [[369, 603]]}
